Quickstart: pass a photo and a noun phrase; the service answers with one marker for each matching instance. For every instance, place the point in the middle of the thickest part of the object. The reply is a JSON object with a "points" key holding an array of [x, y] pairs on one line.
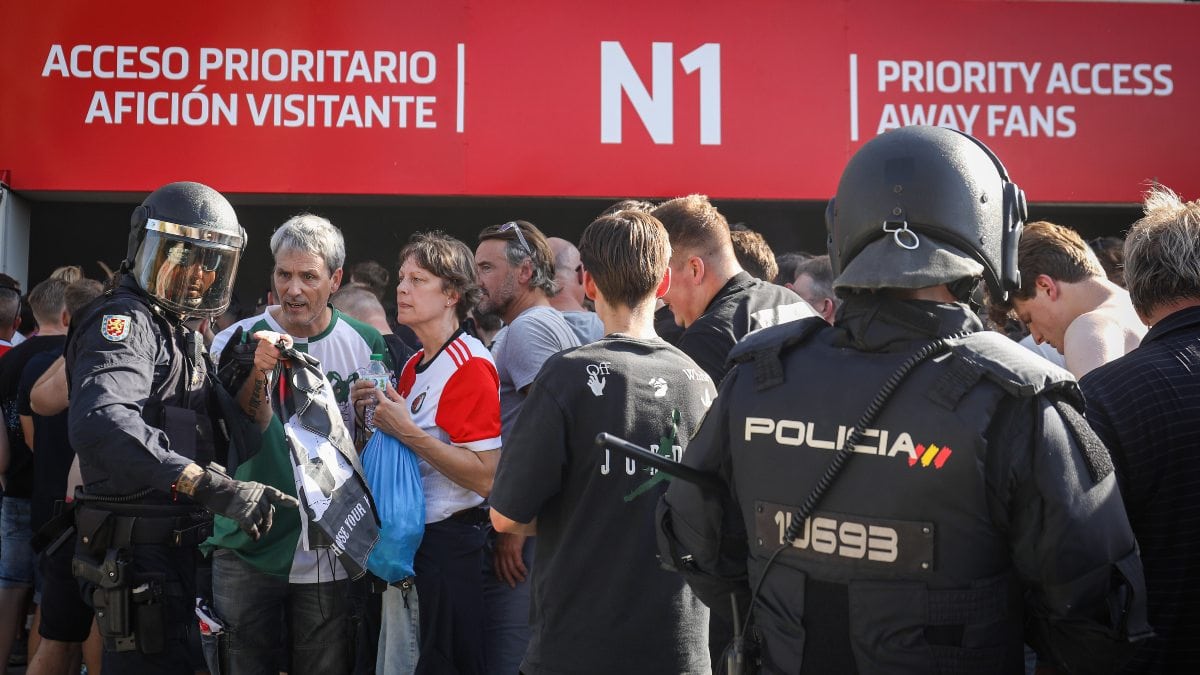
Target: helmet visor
{"points": [[185, 276]]}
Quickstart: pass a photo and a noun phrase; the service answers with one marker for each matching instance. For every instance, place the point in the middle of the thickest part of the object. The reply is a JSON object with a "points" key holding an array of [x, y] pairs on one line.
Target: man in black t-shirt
{"points": [[16, 555], [52, 455], [63, 619], [601, 603], [711, 296]]}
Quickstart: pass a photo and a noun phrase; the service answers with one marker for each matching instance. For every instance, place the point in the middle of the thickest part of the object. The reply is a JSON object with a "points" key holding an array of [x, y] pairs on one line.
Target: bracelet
{"points": [[187, 481]]}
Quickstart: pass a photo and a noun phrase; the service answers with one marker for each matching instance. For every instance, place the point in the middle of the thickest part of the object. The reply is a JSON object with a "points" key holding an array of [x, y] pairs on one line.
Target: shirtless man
{"points": [[1066, 300]]}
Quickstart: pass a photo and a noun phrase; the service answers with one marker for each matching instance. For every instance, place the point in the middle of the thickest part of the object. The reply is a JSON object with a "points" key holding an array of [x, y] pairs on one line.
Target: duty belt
{"points": [[102, 525]]}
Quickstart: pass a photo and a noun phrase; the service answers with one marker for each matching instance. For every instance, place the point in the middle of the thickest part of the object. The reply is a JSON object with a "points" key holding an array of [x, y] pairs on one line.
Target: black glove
{"points": [[251, 505], [237, 361]]}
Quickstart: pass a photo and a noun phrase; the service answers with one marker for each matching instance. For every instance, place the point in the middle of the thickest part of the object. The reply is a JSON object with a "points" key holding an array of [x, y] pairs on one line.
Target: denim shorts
{"points": [[16, 554]]}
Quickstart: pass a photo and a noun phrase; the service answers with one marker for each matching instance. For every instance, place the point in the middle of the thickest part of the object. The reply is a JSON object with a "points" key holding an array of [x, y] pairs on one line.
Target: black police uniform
{"points": [[743, 305], [975, 502], [140, 412]]}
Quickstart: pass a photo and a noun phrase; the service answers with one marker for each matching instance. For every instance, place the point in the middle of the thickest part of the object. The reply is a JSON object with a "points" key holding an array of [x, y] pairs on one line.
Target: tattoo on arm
{"points": [[261, 392]]}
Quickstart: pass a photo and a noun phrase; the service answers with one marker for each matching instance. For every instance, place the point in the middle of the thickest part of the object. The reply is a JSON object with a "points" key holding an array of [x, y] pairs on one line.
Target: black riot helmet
{"points": [[184, 247], [921, 206]]}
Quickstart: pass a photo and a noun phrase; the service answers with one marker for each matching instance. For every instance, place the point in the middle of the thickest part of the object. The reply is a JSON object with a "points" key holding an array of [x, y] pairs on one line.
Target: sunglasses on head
{"points": [[512, 225]]}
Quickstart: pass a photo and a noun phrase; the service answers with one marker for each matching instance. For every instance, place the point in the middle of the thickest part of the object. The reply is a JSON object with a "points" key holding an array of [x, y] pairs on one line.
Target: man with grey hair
{"points": [[568, 273], [1145, 406], [814, 283], [516, 271], [255, 580]]}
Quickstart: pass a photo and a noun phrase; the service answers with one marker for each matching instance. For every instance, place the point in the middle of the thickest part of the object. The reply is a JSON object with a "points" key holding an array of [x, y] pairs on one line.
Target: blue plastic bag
{"points": [[395, 482]]}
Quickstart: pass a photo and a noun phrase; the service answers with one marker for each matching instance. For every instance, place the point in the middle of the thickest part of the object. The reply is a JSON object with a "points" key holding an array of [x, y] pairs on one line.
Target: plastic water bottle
{"points": [[378, 374]]}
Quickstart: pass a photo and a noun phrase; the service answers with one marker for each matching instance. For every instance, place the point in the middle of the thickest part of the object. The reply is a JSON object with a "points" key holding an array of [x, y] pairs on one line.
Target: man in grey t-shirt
{"points": [[516, 270], [568, 272]]}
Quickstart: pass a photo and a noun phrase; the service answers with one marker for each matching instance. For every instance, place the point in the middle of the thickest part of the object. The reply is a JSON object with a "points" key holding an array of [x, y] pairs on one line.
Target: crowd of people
{"points": [[857, 467]]}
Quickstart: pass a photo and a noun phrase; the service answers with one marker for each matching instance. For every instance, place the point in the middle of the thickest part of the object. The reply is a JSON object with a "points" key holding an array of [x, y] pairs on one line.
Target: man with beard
{"points": [[516, 270]]}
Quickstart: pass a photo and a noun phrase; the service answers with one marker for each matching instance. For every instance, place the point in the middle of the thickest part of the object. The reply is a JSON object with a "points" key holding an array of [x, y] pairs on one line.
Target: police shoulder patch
{"points": [[115, 327]]}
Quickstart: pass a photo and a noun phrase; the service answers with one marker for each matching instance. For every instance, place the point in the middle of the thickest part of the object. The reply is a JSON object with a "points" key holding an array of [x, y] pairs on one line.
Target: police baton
{"points": [[702, 479]]}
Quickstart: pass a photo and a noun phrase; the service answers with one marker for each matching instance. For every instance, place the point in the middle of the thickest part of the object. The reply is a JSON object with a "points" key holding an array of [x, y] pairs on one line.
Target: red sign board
{"points": [[1084, 102]]}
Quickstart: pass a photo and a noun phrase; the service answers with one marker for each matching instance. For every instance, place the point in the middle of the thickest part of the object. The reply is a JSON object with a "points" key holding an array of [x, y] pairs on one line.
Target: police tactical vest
{"points": [[900, 558], [180, 403]]}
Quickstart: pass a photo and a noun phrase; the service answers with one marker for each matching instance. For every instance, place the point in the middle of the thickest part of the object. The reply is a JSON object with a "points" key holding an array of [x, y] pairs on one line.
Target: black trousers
{"points": [[173, 569], [449, 570]]}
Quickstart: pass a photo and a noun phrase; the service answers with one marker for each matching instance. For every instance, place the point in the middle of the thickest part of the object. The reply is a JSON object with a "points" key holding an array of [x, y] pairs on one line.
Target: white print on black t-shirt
{"points": [[694, 375], [667, 446], [660, 386], [631, 465], [594, 381]]}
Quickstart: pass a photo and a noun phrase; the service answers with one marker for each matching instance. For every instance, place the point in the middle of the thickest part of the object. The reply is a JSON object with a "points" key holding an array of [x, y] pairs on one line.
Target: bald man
{"points": [[361, 303], [568, 272]]}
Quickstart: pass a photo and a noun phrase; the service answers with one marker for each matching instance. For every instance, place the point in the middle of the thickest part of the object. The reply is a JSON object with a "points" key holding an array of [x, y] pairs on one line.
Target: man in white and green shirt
{"points": [[256, 583]]}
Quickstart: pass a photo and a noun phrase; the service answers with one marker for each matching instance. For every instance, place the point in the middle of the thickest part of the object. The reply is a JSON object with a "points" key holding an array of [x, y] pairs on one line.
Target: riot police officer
{"points": [[146, 425], [907, 493]]}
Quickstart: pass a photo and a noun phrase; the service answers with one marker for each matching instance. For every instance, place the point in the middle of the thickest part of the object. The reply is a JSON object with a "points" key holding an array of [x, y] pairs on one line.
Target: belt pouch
{"points": [[179, 424], [95, 529], [150, 622]]}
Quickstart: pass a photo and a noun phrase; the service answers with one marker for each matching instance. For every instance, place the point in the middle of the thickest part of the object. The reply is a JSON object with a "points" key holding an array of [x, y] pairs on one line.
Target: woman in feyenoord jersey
{"points": [[447, 410]]}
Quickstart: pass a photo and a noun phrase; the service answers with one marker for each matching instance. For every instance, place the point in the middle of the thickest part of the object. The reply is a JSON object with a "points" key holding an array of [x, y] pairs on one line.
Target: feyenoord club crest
{"points": [[416, 404], [115, 327]]}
